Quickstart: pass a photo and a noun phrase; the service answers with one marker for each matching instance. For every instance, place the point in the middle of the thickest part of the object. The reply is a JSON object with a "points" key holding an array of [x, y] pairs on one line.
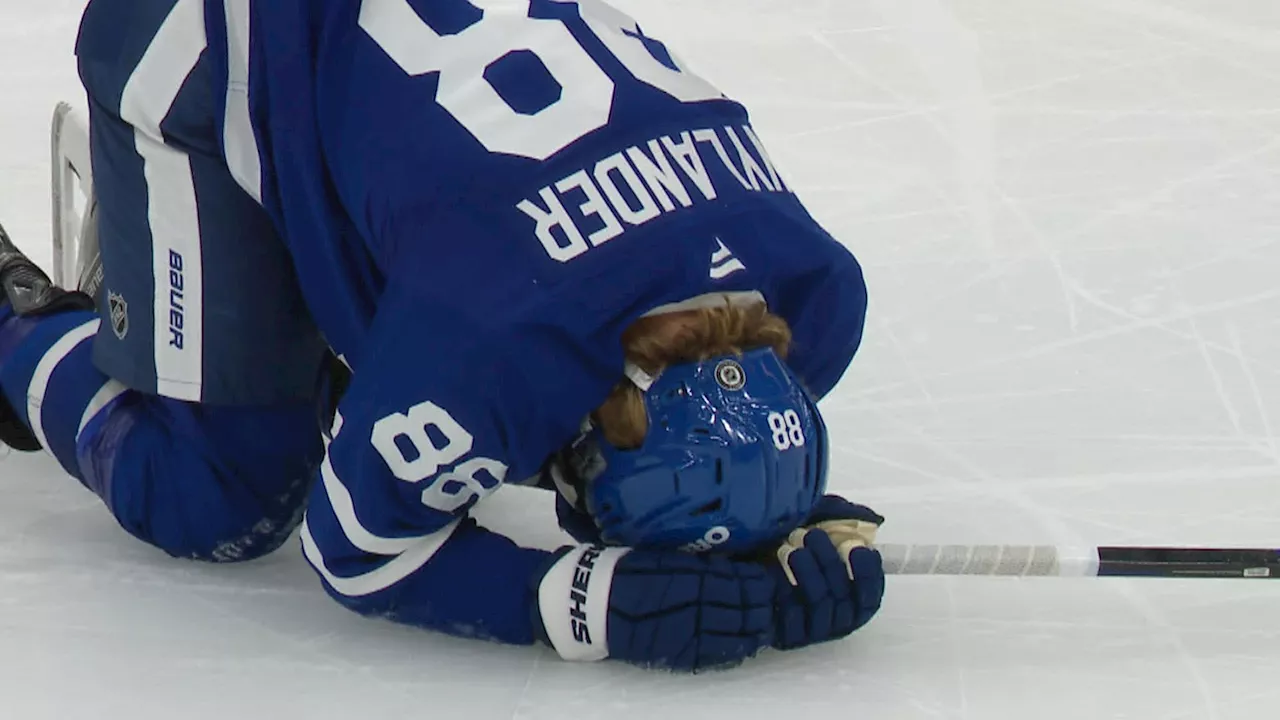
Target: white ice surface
{"points": [[1069, 215]]}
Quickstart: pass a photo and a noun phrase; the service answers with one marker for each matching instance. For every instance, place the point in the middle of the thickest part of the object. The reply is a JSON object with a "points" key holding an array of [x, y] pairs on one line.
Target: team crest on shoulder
{"points": [[119, 313], [730, 375]]}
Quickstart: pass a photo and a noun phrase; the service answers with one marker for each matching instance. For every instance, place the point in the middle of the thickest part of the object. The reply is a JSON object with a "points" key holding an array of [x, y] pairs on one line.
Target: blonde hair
{"points": [[653, 343]]}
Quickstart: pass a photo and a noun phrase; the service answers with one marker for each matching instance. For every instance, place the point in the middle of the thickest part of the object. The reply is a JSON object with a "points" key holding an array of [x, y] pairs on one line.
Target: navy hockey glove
{"points": [[669, 610], [834, 507], [832, 577]]}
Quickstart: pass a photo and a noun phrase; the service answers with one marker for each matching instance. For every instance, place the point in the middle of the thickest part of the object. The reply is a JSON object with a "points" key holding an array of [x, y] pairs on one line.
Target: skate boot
{"points": [[25, 288]]}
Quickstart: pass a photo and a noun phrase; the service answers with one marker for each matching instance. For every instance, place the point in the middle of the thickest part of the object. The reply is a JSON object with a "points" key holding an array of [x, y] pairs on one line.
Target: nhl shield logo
{"points": [[119, 310], [730, 375]]}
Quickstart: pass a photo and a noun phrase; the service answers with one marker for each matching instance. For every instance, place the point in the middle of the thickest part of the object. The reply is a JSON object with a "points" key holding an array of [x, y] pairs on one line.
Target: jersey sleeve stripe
{"points": [[392, 572], [110, 390], [359, 536], [244, 158], [44, 371]]}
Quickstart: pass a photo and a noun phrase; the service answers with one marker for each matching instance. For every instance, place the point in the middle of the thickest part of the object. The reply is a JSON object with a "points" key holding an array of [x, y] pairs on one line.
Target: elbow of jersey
{"points": [[376, 605], [477, 585]]}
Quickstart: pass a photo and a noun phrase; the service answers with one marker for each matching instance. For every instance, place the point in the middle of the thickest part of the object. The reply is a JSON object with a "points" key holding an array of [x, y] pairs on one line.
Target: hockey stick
{"points": [[1051, 561]]}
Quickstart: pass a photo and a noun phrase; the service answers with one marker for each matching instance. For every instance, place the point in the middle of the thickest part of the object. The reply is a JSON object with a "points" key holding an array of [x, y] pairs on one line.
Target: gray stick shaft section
{"points": [[1006, 560]]}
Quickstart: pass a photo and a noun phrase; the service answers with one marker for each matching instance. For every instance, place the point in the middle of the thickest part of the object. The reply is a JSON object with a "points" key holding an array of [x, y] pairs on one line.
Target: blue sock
{"points": [[48, 376]]}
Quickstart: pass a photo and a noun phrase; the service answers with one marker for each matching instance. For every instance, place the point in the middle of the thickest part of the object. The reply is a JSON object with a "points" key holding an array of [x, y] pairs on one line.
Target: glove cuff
{"points": [[573, 601]]}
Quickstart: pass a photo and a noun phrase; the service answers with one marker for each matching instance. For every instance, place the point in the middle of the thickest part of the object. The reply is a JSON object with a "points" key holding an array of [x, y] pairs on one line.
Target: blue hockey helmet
{"points": [[735, 457]]}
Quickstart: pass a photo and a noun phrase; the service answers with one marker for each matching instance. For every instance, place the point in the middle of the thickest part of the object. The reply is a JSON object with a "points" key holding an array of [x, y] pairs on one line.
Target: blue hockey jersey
{"points": [[479, 197]]}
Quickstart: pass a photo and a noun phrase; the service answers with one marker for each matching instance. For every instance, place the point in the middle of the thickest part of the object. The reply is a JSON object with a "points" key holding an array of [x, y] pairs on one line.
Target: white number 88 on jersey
{"points": [[447, 491], [587, 92]]}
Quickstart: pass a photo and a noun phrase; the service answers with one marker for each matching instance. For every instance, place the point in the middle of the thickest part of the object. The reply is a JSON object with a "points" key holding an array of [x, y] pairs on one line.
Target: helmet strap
{"points": [[565, 485], [568, 483]]}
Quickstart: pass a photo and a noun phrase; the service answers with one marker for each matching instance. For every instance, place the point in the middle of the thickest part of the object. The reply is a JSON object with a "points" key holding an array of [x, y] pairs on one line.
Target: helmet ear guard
{"points": [[735, 457]]}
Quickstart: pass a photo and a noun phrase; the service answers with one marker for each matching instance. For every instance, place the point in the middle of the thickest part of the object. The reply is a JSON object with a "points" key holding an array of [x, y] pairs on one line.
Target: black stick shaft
{"points": [[1188, 562]]}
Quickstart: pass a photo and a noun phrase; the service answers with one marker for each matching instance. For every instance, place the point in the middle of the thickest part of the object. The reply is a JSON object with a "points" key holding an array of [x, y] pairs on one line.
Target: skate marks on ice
{"points": [[1102, 368]]}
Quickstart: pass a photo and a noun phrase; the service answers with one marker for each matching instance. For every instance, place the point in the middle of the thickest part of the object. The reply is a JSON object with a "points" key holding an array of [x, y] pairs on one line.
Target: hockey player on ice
{"points": [[505, 216]]}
